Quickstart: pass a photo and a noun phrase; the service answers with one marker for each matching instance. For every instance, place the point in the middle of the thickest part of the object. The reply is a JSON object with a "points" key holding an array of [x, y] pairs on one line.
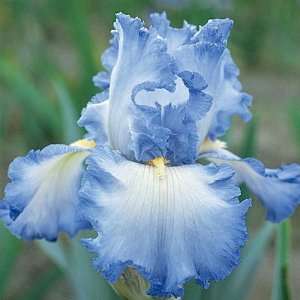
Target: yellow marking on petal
{"points": [[209, 145], [160, 164], [84, 144]]}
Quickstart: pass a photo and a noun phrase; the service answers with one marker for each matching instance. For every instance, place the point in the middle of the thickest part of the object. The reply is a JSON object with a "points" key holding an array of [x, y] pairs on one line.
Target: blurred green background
{"points": [[49, 51]]}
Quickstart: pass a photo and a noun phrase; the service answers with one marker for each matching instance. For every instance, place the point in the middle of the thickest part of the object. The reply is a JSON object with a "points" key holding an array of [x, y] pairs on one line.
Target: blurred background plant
{"points": [[49, 51]]}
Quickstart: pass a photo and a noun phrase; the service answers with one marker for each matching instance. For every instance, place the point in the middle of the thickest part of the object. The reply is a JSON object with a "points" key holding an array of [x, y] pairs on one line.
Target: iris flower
{"points": [[167, 95]]}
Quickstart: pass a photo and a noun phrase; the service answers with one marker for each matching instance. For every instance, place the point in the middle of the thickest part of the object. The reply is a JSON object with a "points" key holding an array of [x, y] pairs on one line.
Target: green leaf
{"points": [[29, 96], [248, 148], [55, 251], [76, 263], [77, 20], [281, 288], [69, 116], [79, 27], [192, 291], [294, 117], [87, 282], [239, 284], [10, 248]]}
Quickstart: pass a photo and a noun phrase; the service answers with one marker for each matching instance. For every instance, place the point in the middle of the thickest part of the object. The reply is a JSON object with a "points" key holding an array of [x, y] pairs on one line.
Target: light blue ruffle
{"points": [[175, 37], [163, 226], [212, 60], [41, 199], [277, 189]]}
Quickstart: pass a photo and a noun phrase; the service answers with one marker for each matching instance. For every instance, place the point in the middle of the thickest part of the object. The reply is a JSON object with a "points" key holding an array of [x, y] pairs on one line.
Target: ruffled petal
{"points": [[175, 37], [42, 199], [142, 58], [277, 189], [108, 59], [184, 224], [168, 127], [229, 98], [210, 57], [102, 80], [94, 118], [110, 55]]}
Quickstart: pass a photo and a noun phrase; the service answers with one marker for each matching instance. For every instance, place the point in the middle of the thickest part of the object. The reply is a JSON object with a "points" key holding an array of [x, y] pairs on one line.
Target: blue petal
{"points": [[41, 199], [229, 98], [185, 224], [168, 127], [175, 37], [108, 59], [215, 31], [110, 55], [102, 80], [94, 118], [142, 58], [277, 189], [210, 57]]}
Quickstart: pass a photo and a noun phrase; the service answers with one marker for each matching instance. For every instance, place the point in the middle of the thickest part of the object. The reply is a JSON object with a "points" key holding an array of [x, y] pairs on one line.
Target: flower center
{"points": [[160, 164], [209, 145], [84, 143]]}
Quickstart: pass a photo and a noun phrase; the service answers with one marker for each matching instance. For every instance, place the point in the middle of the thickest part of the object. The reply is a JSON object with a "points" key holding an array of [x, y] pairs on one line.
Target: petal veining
{"points": [[185, 224], [41, 199]]}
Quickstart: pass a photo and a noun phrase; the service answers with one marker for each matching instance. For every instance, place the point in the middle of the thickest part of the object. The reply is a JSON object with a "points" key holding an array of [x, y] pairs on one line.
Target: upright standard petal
{"points": [[42, 199], [110, 55], [171, 224], [175, 37], [108, 59], [277, 189], [142, 57], [210, 57]]}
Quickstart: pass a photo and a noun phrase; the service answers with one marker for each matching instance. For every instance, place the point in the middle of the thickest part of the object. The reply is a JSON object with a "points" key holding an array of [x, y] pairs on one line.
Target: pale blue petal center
{"points": [[42, 198], [173, 226]]}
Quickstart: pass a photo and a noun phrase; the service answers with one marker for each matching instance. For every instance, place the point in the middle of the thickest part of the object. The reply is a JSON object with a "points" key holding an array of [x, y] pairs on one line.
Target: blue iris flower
{"points": [[167, 95]]}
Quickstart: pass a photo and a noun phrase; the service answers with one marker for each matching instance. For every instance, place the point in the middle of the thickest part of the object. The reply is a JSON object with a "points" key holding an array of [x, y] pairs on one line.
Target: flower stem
{"points": [[281, 288]]}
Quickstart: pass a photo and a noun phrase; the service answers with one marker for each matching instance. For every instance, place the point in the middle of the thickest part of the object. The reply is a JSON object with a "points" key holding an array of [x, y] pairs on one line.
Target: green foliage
{"points": [[75, 261], [248, 149], [249, 141], [42, 285], [281, 284], [32, 101], [10, 248], [69, 116], [294, 118]]}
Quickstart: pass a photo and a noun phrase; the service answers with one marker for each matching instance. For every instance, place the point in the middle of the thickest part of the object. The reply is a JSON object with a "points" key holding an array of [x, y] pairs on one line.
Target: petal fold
{"points": [[175, 37], [277, 189], [168, 127], [210, 57], [94, 118], [42, 199], [185, 224]]}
